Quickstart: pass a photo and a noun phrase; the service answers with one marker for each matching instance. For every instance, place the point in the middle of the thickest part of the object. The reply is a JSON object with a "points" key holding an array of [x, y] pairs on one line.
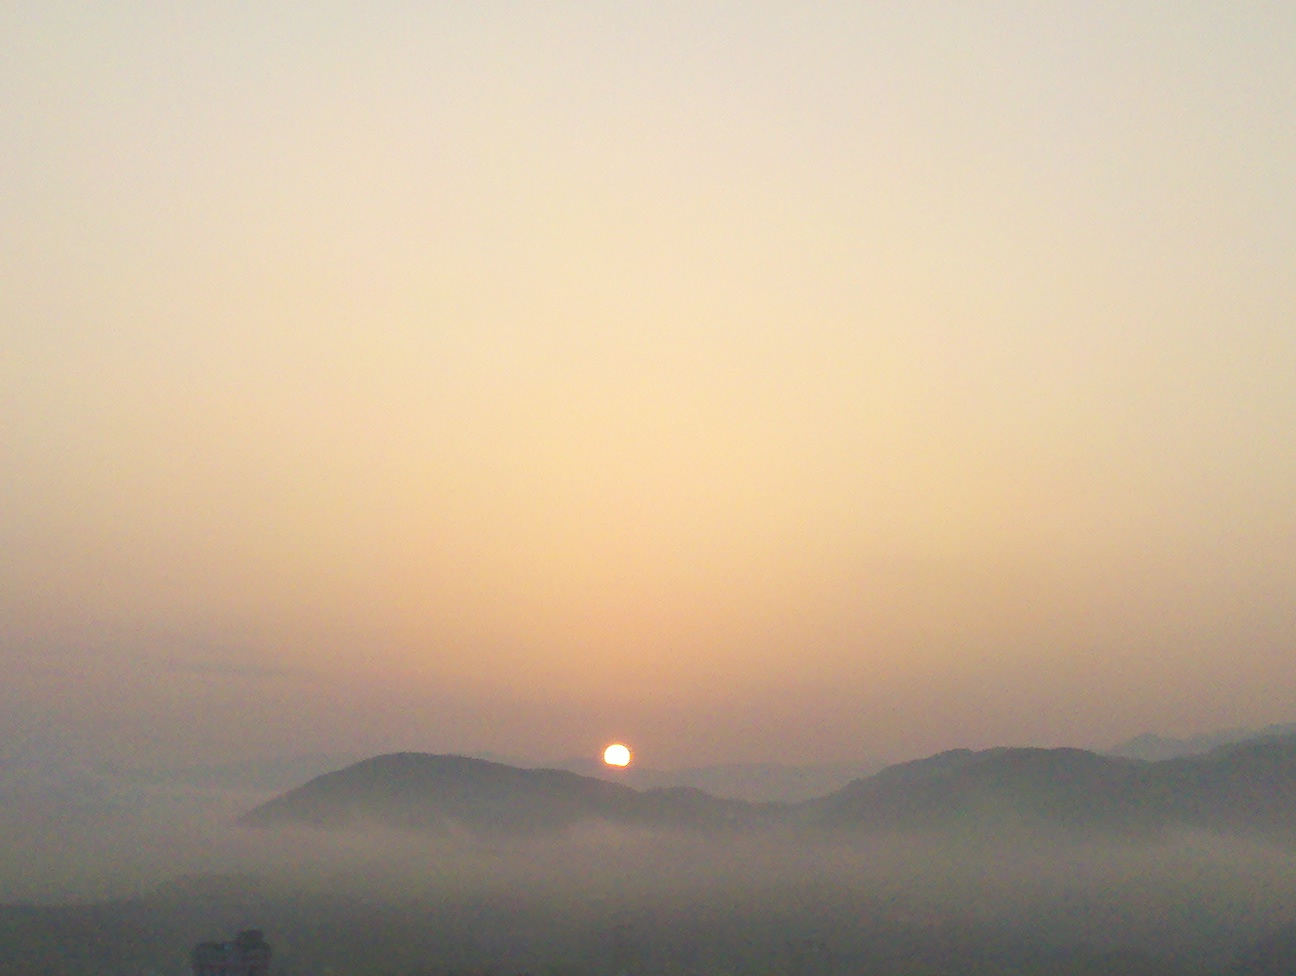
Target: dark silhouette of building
{"points": [[247, 955]]}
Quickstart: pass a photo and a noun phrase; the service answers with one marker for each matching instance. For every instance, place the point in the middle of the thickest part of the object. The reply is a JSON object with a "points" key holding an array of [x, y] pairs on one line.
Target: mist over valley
{"points": [[998, 861], [868, 427]]}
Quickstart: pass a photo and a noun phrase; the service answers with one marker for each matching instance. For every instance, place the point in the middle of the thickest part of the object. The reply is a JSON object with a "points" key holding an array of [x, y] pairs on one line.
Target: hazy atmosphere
{"points": [[745, 382]]}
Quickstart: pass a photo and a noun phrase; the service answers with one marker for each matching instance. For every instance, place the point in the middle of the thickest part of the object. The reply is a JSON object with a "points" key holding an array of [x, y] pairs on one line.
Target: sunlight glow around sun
{"points": [[616, 755]]}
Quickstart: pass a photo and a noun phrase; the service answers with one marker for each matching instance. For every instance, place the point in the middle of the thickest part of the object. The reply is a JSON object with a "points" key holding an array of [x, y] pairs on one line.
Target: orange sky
{"points": [[748, 382]]}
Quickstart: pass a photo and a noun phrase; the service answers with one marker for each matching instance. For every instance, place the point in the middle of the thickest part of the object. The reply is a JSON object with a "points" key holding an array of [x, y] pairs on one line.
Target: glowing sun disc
{"points": [[616, 755]]}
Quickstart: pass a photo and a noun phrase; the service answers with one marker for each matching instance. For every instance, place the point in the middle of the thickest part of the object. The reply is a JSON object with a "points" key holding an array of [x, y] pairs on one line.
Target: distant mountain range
{"points": [[420, 791], [1246, 787], [1154, 747], [756, 782], [47, 788]]}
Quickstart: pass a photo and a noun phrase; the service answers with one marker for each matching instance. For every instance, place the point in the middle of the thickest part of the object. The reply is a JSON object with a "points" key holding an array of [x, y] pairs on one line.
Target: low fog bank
{"points": [[186, 872], [84, 831], [116, 874]]}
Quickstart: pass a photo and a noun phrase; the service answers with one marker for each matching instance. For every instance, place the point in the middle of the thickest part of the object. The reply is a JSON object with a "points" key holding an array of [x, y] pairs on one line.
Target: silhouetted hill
{"points": [[420, 791], [753, 782], [996, 787], [1245, 787], [1248, 787], [1155, 748]]}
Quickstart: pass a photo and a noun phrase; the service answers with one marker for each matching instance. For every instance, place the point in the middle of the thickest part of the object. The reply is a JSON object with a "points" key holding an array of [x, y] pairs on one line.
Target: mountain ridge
{"points": [[1155, 747], [1248, 786], [437, 792]]}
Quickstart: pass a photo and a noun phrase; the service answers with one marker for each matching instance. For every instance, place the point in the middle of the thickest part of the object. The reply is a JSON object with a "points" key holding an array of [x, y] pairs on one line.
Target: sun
{"points": [[616, 755]]}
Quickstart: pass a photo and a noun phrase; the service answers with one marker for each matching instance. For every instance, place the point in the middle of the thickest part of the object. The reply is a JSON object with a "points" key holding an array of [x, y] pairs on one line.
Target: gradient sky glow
{"points": [[744, 381]]}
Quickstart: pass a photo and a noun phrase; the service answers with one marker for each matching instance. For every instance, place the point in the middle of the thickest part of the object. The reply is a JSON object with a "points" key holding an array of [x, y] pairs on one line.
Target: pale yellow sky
{"points": [[760, 381]]}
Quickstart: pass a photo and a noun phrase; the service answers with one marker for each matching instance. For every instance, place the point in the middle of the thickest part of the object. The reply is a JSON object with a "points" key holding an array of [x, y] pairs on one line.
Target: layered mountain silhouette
{"points": [[420, 791], [757, 782], [1151, 746], [1248, 787]]}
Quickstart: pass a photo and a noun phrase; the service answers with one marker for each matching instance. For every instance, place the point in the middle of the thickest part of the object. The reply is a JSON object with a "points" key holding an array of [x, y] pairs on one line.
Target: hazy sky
{"points": [[748, 381]]}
